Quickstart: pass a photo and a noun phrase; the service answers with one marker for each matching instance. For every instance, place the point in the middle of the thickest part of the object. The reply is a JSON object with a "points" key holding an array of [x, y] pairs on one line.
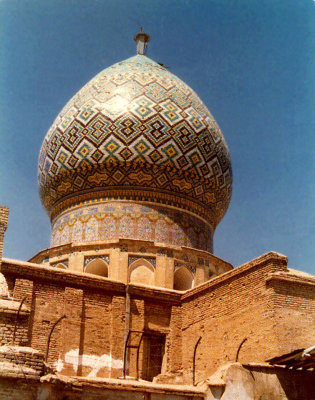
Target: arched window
{"points": [[97, 267], [183, 278], [141, 271]]}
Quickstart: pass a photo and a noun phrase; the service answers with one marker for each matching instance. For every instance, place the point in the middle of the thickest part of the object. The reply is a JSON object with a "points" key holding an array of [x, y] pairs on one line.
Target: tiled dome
{"points": [[136, 132]]}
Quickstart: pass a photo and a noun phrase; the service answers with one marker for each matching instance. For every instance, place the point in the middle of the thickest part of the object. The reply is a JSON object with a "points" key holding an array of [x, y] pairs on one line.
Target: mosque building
{"points": [[129, 301]]}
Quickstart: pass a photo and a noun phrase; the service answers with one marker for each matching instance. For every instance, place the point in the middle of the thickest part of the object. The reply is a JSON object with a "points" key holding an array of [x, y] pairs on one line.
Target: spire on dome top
{"points": [[142, 39]]}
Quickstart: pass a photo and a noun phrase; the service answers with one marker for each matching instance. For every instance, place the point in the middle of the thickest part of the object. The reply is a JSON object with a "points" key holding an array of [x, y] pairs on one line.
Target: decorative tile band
{"points": [[149, 195], [91, 258], [151, 260], [113, 220], [64, 264], [179, 264]]}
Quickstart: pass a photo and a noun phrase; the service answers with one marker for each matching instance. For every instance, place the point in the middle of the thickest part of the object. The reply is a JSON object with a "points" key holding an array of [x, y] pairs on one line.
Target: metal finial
{"points": [[142, 39]]}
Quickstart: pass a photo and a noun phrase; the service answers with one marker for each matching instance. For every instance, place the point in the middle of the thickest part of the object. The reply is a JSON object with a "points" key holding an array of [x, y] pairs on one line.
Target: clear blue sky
{"points": [[250, 61]]}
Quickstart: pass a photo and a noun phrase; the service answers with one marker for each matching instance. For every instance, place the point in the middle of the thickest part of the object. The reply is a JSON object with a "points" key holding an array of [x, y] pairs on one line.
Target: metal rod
{"points": [[239, 349], [194, 360], [17, 317], [50, 333], [125, 355], [138, 351], [127, 328]]}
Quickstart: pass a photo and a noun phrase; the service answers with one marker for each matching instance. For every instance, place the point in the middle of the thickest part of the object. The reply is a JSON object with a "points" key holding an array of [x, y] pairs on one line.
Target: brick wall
{"points": [[225, 311], [174, 341], [293, 299], [90, 340], [8, 313], [249, 302], [96, 332], [23, 356], [4, 214]]}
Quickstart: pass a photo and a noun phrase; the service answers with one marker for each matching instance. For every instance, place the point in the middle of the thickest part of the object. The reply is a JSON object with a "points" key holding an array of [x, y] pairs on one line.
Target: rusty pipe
{"points": [[239, 349], [194, 360], [17, 317], [51, 332]]}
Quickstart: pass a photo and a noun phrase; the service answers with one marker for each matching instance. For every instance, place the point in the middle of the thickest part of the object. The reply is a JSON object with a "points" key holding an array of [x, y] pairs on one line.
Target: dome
{"points": [[136, 131]]}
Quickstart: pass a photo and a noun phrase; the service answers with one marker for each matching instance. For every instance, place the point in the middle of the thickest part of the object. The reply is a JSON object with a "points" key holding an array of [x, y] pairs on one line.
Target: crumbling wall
{"points": [[90, 340], [259, 382], [10, 327]]}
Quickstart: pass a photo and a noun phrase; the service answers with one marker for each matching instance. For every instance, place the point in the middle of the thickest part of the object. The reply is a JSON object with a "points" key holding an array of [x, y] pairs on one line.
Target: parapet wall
{"points": [[248, 314], [90, 340], [4, 214], [13, 328], [293, 302]]}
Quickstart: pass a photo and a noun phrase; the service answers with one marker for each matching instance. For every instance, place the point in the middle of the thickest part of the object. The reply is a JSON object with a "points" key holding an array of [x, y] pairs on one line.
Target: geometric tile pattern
{"points": [[92, 258], [151, 260], [136, 125], [178, 265], [113, 220], [61, 264]]}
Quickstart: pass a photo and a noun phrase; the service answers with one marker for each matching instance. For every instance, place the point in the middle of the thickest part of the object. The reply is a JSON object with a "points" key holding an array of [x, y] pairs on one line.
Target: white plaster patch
{"points": [[88, 360], [59, 365]]}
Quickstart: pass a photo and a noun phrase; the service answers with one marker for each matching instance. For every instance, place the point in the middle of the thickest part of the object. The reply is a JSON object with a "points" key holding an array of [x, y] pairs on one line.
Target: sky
{"points": [[250, 61]]}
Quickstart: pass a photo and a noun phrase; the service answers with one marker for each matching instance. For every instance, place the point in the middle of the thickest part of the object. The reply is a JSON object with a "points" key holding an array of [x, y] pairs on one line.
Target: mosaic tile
{"points": [[107, 228], [136, 221], [77, 232], [136, 125]]}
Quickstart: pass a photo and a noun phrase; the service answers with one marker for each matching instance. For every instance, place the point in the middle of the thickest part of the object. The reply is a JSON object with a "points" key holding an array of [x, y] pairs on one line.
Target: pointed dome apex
{"points": [[142, 39]]}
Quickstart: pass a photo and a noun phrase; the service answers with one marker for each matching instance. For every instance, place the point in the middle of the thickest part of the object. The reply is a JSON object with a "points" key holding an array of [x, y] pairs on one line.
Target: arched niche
{"points": [[141, 271], [60, 265], [97, 267], [183, 278]]}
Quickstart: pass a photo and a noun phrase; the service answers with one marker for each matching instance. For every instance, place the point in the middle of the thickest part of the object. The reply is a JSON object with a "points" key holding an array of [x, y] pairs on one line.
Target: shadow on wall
{"points": [[183, 279], [97, 267], [141, 271]]}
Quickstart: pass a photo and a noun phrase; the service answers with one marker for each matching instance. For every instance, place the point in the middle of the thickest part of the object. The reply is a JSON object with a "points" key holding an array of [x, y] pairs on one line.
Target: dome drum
{"points": [[113, 220]]}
